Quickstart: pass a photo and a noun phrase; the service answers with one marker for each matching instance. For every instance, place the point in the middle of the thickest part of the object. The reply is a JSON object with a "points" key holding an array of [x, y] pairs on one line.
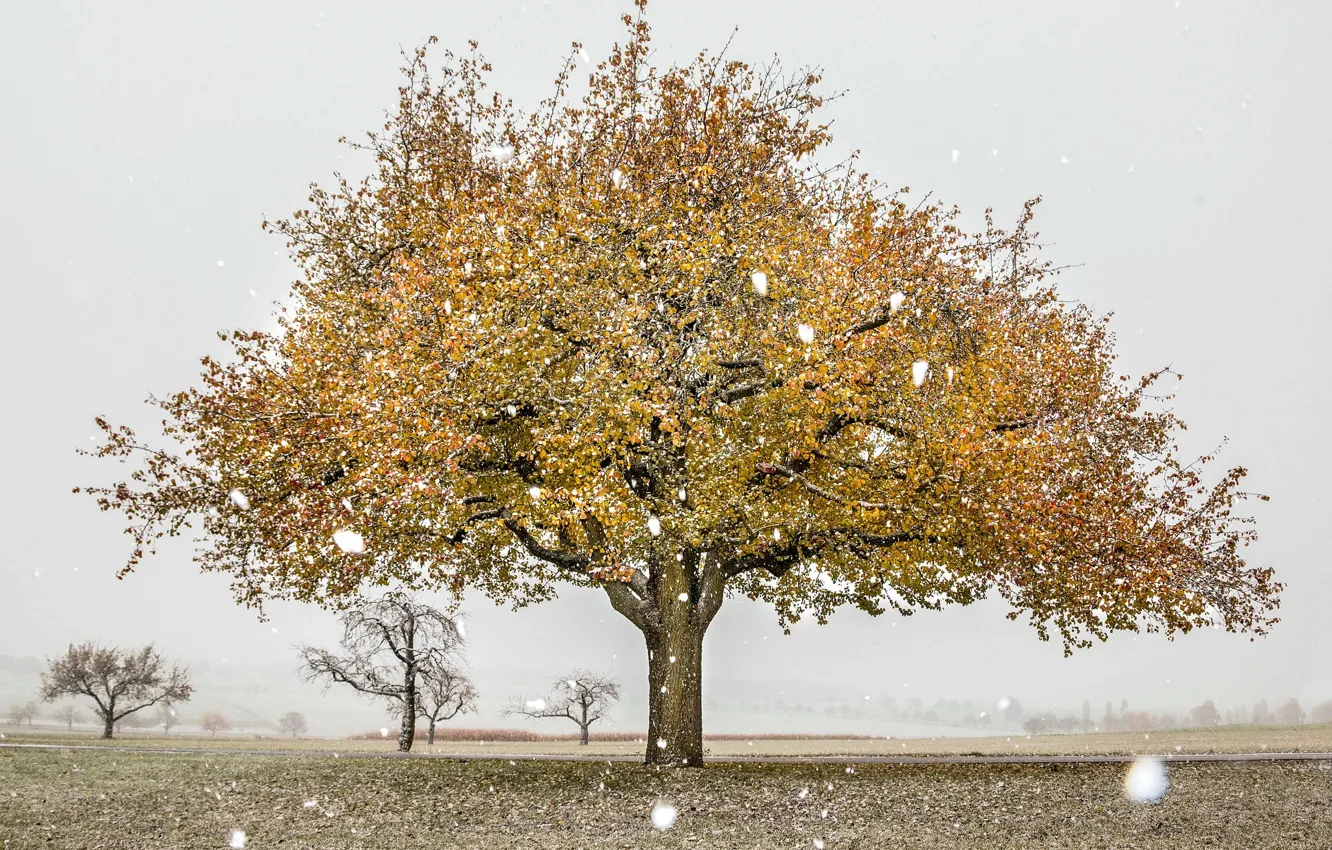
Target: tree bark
{"points": [[688, 593], [582, 738], [407, 734], [430, 736], [109, 727]]}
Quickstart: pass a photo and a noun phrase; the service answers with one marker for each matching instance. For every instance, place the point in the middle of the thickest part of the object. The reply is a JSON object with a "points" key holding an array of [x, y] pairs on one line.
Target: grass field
{"points": [[1225, 739], [113, 799]]}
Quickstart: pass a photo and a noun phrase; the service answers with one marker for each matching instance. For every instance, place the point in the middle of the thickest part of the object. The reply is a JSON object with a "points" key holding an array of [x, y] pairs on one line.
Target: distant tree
{"points": [[445, 693], [1069, 723], [293, 722], [1167, 721], [130, 721], [213, 722], [69, 714], [120, 682], [1086, 716], [1321, 713], [1042, 723], [1204, 715], [20, 712], [1289, 713], [582, 696], [1262, 715], [1138, 721], [1123, 707], [387, 643], [167, 717], [1012, 710], [1109, 721]]}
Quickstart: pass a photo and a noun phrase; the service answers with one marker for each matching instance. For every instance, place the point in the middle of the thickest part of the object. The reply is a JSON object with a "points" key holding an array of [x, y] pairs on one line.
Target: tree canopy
{"points": [[653, 340], [119, 682]]}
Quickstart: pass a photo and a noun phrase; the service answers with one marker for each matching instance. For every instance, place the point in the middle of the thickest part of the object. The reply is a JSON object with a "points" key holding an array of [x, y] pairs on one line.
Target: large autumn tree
{"points": [[651, 340]]}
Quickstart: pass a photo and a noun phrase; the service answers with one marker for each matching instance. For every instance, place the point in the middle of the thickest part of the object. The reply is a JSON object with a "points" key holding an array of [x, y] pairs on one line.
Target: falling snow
{"points": [[240, 500], [663, 816], [760, 281], [919, 370], [654, 526], [806, 333], [1146, 781], [349, 541], [237, 839]]}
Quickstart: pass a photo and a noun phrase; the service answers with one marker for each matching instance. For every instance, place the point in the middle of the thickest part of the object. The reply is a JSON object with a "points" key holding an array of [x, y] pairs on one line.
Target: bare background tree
{"points": [[167, 717], [69, 714], [21, 711], [445, 693], [387, 643], [213, 722], [293, 722], [582, 696], [120, 682], [130, 721]]}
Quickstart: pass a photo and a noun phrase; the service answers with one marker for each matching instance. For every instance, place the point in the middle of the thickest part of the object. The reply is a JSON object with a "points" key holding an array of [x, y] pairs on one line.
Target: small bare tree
{"points": [[445, 693], [167, 717], [213, 722], [69, 714], [293, 722], [120, 682], [22, 711], [583, 697], [387, 643]]}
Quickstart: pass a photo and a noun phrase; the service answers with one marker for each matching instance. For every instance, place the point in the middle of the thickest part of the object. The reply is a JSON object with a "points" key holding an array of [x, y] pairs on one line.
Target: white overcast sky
{"points": [[1182, 150]]}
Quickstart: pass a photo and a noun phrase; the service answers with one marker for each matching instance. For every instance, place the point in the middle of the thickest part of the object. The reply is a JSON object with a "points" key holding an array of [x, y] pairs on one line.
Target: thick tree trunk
{"points": [[407, 733], [675, 698], [673, 607], [109, 727], [430, 736], [582, 738]]}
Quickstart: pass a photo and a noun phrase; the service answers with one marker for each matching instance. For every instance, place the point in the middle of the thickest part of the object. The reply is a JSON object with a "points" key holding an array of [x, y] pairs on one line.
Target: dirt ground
{"points": [[118, 799]]}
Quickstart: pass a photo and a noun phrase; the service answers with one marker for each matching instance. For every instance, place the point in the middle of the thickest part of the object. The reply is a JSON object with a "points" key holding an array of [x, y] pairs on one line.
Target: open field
{"points": [[1225, 739], [117, 799]]}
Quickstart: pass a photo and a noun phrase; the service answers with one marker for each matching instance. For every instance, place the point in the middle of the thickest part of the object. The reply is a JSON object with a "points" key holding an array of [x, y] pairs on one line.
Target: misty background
{"points": [[1181, 148]]}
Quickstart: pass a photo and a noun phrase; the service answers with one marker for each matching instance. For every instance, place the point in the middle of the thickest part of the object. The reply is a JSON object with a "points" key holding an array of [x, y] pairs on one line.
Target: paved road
{"points": [[840, 760]]}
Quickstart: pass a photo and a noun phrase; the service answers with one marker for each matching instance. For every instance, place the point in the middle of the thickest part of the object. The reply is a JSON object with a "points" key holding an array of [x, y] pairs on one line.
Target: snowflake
{"points": [[240, 500], [349, 542], [663, 816], [760, 281], [1146, 781], [895, 301], [919, 370], [806, 333], [383, 731], [537, 705], [956, 154], [654, 526], [237, 839]]}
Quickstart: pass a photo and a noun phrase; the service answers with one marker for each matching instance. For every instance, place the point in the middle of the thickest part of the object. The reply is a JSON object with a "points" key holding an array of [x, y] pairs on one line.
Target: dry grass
{"points": [[64, 799]]}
